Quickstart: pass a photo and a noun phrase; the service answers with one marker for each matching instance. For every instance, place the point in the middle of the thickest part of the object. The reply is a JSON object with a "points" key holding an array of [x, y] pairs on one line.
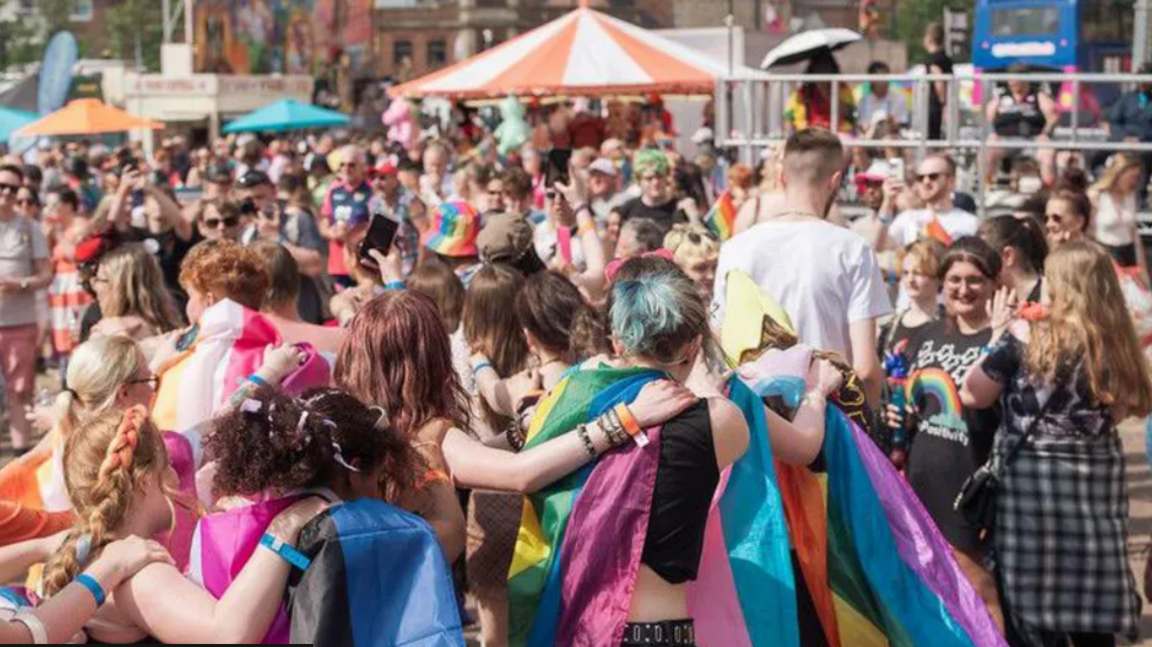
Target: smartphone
{"points": [[557, 169], [381, 233], [897, 168]]}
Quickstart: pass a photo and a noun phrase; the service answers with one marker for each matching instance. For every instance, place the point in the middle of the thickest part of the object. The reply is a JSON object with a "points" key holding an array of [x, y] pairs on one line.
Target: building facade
{"points": [[414, 37]]}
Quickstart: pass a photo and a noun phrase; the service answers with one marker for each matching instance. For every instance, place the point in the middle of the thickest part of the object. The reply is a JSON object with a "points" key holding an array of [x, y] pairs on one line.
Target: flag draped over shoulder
{"points": [[229, 347], [580, 541], [870, 558], [378, 579]]}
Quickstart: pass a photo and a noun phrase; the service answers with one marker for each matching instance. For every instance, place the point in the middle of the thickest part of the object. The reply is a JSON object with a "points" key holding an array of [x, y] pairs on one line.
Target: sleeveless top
{"points": [[686, 480], [1019, 118]]}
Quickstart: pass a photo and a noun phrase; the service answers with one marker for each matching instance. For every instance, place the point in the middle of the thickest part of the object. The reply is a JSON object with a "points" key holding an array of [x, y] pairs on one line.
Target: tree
{"points": [[56, 14], [130, 21], [914, 16], [19, 42]]}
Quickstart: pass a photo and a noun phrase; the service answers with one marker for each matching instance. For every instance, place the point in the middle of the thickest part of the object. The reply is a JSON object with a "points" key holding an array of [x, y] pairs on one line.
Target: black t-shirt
{"points": [[941, 61], [666, 215], [950, 442]]}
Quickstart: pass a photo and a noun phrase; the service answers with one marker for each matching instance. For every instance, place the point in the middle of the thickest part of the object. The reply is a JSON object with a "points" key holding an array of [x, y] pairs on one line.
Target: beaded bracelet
{"points": [[613, 429], [515, 435], [582, 432]]}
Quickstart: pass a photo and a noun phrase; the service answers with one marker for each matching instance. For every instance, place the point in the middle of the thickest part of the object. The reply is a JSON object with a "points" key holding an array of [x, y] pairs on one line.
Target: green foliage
{"points": [[20, 42], [913, 16], [128, 20], [55, 14]]}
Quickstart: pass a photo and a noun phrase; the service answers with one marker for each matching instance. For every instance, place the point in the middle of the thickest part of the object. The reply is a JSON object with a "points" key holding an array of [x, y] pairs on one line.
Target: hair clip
{"points": [[83, 548], [382, 420], [340, 458], [251, 406], [303, 421]]}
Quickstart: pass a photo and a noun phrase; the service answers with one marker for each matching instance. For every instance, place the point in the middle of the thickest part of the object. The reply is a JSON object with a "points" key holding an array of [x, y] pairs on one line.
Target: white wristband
{"points": [[35, 627]]}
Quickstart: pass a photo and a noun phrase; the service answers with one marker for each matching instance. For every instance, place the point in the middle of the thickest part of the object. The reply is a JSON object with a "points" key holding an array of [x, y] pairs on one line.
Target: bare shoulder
{"points": [[729, 429]]}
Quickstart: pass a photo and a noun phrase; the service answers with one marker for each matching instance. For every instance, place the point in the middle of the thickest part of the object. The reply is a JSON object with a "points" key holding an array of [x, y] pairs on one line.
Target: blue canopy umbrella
{"points": [[288, 114], [12, 120]]}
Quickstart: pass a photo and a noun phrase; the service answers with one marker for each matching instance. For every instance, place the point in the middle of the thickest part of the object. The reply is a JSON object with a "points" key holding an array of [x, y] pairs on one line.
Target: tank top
{"points": [[686, 480], [1114, 223], [1019, 118]]}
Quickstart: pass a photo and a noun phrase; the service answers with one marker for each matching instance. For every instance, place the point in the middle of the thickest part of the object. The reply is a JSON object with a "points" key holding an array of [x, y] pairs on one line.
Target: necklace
{"points": [[797, 214]]}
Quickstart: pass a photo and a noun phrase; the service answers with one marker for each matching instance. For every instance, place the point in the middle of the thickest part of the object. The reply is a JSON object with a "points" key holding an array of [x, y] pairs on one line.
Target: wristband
{"points": [[480, 367], [286, 552], [395, 286], [34, 625], [631, 425], [87, 581], [259, 381]]}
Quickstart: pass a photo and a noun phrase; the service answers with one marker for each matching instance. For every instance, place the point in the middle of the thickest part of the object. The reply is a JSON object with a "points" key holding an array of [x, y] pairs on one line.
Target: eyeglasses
{"points": [[27, 202], [928, 177], [9, 188], [214, 223], [1053, 217], [152, 381]]}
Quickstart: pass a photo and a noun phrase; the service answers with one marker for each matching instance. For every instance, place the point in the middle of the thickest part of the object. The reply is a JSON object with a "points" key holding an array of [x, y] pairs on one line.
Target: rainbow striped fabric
{"points": [[455, 226], [580, 539], [721, 218]]}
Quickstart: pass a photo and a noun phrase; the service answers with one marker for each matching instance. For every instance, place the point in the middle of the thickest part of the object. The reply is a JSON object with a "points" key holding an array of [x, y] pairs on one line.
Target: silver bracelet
{"points": [[34, 625]]}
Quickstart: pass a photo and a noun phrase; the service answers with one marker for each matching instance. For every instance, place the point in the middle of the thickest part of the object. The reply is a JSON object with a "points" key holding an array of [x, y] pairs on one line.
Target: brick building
{"points": [[414, 37]]}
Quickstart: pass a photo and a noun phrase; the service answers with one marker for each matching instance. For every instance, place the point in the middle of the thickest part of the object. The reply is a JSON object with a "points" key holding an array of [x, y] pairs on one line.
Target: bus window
{"points": [[1026, 21]]}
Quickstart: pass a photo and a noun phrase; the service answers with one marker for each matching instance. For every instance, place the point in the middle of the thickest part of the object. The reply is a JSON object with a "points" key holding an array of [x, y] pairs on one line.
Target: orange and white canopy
{"points": [[584, 53]]}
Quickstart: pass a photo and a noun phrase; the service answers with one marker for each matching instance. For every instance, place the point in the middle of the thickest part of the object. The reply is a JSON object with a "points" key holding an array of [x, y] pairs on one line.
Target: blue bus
{"points": [[1061, 35]]}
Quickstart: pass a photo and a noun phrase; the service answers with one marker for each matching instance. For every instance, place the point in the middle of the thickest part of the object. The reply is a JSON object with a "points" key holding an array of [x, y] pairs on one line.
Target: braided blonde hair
{"points": [[107, 460]]}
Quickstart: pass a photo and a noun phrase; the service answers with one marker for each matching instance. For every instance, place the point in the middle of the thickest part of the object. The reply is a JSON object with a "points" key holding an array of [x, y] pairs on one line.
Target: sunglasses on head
{"points": [[928, 177], [229, 222]]}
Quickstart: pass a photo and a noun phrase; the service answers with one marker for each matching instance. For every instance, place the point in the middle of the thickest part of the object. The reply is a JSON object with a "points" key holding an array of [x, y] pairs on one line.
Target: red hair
{"points": [[397, 355]]}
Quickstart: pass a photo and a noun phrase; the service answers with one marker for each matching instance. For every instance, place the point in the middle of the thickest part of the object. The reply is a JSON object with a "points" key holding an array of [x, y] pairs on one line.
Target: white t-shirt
{"points": [[893, 104], [547, 242], [909, 226], [1114, 223], [825, 277]]}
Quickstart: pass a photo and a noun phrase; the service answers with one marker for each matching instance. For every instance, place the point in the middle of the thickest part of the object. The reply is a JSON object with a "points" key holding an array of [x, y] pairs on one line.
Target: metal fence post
{"points": [[982, 153]]}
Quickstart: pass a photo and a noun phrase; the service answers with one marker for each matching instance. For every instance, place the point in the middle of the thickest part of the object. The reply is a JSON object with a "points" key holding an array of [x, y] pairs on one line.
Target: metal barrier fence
{"points": [[750, 114]]}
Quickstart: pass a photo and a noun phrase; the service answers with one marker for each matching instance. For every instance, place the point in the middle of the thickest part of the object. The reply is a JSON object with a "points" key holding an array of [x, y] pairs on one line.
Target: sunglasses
{"points": [[27, 202], [214, 223], [928, 177], [152, 381], [9, 188]]}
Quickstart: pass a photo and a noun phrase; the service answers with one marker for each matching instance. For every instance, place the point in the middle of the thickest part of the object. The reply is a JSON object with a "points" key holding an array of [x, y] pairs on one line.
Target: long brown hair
{"points": [[136, 287], [1088, 318], [106, 462], [397, 355], [549, 307], [435, 279], [492, 327]]}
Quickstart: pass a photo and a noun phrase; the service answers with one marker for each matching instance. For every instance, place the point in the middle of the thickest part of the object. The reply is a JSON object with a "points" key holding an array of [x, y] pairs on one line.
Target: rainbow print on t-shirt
{"points": [[935, 383]]}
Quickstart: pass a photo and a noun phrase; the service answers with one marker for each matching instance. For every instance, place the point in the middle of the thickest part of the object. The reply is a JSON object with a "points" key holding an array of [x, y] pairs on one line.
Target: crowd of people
{"points": [[231, 343]]}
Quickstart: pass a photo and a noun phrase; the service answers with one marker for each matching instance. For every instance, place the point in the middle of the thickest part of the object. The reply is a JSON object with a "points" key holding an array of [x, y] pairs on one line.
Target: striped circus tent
{"points": [[583, 53]]}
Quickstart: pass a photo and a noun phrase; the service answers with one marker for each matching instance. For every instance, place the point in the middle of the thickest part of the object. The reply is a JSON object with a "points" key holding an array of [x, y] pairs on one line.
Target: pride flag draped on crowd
{"points": [[869, 557]]}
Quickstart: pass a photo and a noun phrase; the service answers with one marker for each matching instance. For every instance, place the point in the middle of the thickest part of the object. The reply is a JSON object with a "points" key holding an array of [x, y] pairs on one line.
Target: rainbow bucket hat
{"points": [[455, 226]]}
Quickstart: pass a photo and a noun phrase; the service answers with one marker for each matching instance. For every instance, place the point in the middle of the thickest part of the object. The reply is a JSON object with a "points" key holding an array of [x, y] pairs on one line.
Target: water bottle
{"points": [[896, 366]]}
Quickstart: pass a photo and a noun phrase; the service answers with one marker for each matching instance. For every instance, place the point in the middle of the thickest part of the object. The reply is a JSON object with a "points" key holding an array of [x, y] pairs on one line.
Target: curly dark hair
{"points": [[290, 444]]}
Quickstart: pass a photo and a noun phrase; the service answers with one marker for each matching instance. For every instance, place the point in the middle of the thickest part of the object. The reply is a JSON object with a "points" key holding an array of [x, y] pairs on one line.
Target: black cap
{"points": [[218, 174], [253, 179]]}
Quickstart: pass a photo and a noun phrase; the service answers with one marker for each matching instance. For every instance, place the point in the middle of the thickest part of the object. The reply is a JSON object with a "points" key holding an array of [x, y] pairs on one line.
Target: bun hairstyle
{"points": [[273, 442], [107, 460], [655, 310], [549, 306], [1021, 234]]}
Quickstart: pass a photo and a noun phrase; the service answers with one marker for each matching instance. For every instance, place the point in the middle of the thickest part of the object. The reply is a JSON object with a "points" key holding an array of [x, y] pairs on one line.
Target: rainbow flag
{"points": [[228, 348], [934, 229], [580, 539], [868, 556], [721, 218]]}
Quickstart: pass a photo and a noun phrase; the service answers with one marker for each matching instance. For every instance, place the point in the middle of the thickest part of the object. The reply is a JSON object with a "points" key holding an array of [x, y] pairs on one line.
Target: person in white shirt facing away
{"points": [[825, 277]]}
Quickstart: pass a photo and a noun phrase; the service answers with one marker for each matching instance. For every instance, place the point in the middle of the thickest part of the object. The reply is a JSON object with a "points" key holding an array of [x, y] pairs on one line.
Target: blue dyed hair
{"points": [[656, 310]]}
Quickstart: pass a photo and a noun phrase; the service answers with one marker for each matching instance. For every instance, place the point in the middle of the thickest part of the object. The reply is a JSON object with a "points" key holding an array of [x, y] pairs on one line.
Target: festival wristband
{"points": [[259, 381], [87, 581], [395, 286], [286, 552], [34, 625], [631, 425], [481, 366]]}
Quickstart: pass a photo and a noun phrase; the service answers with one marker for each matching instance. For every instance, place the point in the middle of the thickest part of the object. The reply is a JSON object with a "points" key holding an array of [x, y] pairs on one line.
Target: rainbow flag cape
{"points": [[870, 562], [580, 539], [228, 348], [721, 218]]}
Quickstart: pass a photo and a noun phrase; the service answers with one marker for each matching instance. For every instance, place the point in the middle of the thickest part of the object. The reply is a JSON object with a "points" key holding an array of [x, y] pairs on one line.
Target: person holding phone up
{"points": [[567, 241]]}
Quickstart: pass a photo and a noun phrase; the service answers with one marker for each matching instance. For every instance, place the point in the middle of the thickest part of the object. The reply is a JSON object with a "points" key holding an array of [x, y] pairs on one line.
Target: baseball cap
{"points": [[253, 179], [879, 171], [603, 165], [504, 238], [384, 167]]}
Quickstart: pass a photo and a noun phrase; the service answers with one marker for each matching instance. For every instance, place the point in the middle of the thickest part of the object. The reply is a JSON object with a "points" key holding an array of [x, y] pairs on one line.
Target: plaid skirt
{"points": [[1061, 535]]}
